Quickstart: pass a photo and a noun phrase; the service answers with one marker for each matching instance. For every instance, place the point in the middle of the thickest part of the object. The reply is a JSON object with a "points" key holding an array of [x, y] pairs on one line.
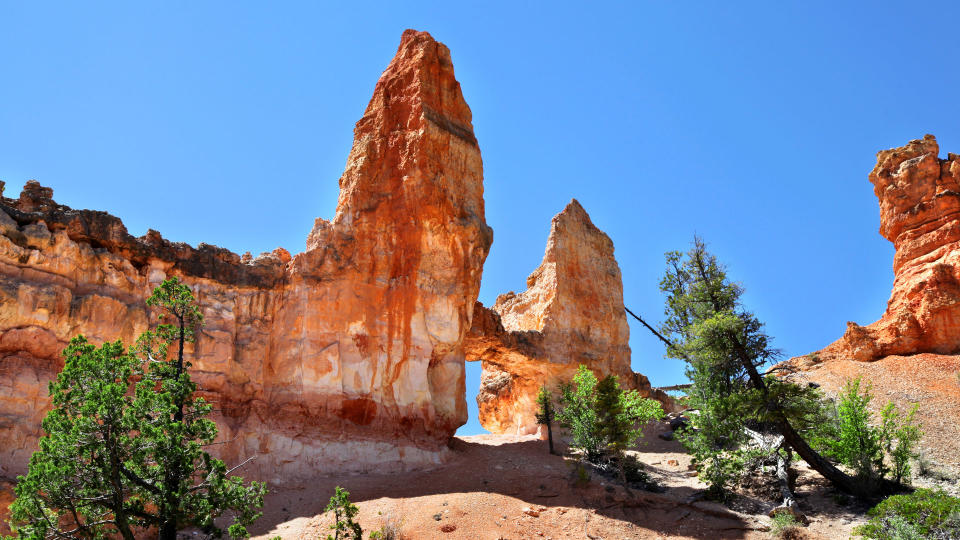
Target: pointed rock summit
{"points": [[575, 297], [414, 146], [571, 314]]}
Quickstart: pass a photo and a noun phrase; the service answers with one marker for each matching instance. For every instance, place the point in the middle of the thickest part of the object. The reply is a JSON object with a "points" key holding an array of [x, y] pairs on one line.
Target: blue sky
{"points": [[752, 124]]}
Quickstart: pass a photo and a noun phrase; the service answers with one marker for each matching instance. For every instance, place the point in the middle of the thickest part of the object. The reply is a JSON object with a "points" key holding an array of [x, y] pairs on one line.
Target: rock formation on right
{"points": [[572, 313], [919, 198], [911, 356]]}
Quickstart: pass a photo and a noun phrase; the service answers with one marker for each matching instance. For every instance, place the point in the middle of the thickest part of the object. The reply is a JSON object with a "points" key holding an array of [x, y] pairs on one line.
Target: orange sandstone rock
{"points": [[348, 356], [572, 313], [919, 197]]}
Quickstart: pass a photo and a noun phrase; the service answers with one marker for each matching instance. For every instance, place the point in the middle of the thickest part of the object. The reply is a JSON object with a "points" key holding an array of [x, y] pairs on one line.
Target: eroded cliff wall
{"points": [[348, 356]]}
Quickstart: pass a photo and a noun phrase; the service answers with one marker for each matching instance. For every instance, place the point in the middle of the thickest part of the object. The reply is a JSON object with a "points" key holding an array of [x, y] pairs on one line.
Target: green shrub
{"points": [[899, 436], [578, 413], [603, 419], [856, 443], [925, 513], [344, 511]]}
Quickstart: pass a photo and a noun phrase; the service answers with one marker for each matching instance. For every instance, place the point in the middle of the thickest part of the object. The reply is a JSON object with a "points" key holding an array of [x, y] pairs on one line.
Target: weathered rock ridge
{"points": [[571, 313], [919, 197], [347, 356]]}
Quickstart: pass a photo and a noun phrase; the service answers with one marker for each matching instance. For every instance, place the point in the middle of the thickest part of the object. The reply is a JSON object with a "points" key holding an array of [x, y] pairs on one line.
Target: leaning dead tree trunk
{"points": [[783, 477], [813, 458]]}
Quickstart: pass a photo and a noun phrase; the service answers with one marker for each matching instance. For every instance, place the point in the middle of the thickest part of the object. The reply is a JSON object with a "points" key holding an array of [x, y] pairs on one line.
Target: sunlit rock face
{"points": [[348, 356], [572, 313], [919, 197]]}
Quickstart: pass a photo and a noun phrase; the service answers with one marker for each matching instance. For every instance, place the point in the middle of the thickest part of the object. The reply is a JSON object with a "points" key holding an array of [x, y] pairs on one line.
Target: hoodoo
{"points": [[347, 356], [571, 313], [919, 197]]}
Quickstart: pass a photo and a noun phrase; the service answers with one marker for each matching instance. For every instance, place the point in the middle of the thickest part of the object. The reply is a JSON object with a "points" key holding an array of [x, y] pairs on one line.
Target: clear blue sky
{"points": [[751, 124]]}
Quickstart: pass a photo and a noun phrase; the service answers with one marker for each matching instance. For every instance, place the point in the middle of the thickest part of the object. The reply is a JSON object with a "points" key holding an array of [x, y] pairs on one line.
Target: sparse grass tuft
{"points": [[785, 526], [392, 529]]}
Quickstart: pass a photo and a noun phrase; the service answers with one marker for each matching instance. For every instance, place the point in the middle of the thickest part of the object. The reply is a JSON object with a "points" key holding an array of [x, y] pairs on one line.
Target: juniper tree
{"points": [[123, 449]]}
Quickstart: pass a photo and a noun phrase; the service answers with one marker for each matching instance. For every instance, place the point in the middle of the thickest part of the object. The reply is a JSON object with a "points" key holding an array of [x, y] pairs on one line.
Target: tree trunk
{"points": [[119, 515], [168, 531], [550, 436]]}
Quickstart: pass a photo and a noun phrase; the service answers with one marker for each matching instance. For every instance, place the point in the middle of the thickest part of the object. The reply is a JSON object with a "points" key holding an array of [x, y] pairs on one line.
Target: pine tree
{"points": [[603, 419]]}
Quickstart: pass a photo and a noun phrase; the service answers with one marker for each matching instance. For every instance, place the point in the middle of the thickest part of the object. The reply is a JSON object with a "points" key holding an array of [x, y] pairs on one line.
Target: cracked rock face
{"points": [[348, 356], [572, 313], [919, 196]]}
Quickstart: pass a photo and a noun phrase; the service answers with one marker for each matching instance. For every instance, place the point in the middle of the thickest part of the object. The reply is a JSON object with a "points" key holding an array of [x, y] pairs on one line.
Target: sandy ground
{"points": [[501, 487]]}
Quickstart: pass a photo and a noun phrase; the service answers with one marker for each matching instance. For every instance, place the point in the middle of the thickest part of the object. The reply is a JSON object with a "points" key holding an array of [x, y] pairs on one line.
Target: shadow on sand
{"points": [[523, 470]]}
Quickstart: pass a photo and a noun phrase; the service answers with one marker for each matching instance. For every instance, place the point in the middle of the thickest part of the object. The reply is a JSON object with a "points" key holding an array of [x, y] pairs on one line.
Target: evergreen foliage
{"points": [[925, 513], [708, 328], [124, 444], [724, 346], [344, 528], [603, 419]]}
